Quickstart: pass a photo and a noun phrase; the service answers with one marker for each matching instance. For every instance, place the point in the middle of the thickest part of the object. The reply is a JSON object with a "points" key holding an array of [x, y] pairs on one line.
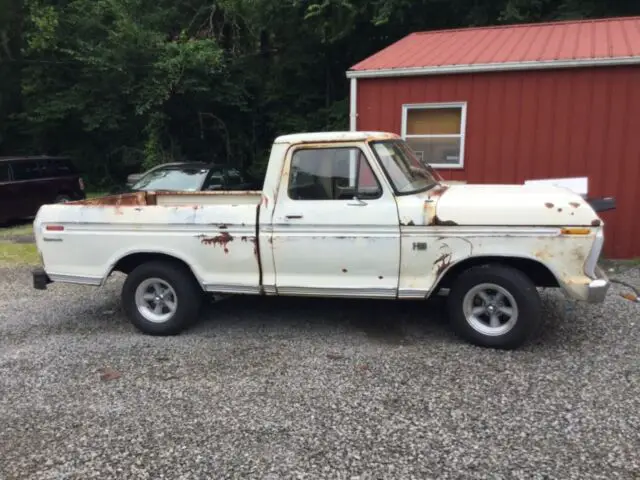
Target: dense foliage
{"points": [[124, 84]]}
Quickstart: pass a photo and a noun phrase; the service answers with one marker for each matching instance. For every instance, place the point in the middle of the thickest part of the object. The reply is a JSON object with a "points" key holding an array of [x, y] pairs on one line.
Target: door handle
{"points": [[293, 216]]}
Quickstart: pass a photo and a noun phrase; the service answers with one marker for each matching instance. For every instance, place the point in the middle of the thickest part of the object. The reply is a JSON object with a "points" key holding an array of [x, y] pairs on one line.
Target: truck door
{"points": [[335, 229]]}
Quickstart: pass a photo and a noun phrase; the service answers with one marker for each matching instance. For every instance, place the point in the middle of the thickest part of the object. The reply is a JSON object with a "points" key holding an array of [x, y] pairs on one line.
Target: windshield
{"points": [[186, 178], [406, 173]]}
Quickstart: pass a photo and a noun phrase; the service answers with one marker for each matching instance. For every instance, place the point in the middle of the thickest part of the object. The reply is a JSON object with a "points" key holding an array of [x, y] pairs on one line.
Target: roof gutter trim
{"points": [[494, 67]]}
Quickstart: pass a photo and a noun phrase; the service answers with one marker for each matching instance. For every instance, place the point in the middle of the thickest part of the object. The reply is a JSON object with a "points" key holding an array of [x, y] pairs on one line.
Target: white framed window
{"points": [[436, 132]]}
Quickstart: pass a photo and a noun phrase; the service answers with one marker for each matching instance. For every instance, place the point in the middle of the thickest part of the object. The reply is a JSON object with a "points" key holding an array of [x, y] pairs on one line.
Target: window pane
{"points": [[368, 186], [63, 168], [48, 169], [187, 179], [434, 121], [234, 177], [441, 151], [4, 172], [25, 170], [326, 174]]}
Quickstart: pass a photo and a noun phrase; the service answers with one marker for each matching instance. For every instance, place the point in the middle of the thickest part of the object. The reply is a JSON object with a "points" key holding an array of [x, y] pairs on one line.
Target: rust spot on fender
{"points": [[543, 254], [344, 270], [596, 223], [548, 205], [559, 210], [440, 191], [442, 263], [574, 204], [223, 240], [406, 222], [443, 223]]}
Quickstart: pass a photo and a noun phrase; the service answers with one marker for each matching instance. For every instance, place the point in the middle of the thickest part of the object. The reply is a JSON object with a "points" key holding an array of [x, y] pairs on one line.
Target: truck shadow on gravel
{"points": [[381, 321]]}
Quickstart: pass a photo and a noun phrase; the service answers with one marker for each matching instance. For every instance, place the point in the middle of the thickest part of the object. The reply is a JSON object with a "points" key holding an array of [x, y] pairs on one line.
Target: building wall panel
{"points": [[536, 124]]}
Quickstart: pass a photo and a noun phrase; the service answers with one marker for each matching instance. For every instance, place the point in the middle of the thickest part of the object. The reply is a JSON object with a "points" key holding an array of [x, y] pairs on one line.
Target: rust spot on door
{"points": [[574, 204], [548, 205]]}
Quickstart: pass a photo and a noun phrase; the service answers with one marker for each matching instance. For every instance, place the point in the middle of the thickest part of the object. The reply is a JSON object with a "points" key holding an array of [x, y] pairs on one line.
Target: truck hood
{"points": [[526, 205]]}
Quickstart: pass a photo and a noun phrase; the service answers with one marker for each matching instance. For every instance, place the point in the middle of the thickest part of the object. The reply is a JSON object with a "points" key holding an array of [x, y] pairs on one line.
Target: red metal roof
{"points": [[609, 41]]}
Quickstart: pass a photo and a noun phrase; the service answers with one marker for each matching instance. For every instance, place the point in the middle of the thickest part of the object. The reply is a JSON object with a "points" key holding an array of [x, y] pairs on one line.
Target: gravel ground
{"points": [[296, 388]]}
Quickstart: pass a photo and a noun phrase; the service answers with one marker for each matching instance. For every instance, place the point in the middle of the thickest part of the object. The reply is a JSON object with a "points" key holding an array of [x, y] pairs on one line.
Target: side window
{"points": [[214, 182], [62, 168], [234, 177], [48, 168], [4, 172], [25, 170], [332, 174]]}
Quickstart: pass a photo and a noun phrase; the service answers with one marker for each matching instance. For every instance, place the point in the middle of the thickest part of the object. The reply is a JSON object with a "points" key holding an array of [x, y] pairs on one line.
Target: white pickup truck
{"points": [[341, 214]]}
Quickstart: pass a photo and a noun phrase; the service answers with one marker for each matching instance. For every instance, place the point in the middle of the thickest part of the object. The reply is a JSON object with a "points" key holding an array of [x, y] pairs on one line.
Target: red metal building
{"points": [[513, 103]]}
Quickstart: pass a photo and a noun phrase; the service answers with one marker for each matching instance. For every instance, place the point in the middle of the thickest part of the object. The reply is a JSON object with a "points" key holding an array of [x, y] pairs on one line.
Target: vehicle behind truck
{"points": [[341, 214], [27, 183]]}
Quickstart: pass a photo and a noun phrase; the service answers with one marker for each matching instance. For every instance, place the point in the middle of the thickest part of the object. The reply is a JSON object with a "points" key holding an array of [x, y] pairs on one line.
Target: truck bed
{"points": [[213, 232]]}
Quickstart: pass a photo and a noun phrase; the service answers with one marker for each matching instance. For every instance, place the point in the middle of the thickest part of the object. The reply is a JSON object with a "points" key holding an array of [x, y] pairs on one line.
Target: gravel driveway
{"points": [[296, 388]]}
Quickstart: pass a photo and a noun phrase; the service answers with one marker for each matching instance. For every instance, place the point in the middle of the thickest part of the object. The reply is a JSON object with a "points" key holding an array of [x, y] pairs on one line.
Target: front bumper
{"points": [[591, 289], [40, 279], [598, 288]]}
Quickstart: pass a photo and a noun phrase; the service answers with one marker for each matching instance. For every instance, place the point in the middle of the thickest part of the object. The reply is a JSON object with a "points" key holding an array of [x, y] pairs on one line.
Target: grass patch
{"points": [[18, 254], [17, 231]]}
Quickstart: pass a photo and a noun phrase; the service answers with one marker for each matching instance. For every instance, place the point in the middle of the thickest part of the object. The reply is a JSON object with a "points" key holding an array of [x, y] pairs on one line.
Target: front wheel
{"points": [[494, 306], [161, 298]]}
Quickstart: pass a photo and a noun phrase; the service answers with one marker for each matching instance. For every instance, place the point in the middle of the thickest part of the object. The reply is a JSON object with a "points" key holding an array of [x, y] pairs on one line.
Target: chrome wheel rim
{"points": [[156, 300], [490, 309]]}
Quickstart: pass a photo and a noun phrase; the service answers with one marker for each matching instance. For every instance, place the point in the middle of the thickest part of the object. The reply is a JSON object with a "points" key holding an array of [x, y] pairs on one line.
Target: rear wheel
{"points": [[161, 298], [494, 306]]}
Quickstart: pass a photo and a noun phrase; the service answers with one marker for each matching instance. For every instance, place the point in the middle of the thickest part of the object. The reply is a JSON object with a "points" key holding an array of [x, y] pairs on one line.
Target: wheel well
{"points": [[539, 274], [127, 264]]}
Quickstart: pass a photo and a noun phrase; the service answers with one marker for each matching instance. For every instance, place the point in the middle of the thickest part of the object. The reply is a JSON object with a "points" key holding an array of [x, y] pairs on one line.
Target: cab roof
{"points": [[345, 136]]}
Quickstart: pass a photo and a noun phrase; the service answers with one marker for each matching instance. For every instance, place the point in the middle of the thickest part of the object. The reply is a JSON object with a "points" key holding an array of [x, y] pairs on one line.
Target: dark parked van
{"points": [[26, 183]]}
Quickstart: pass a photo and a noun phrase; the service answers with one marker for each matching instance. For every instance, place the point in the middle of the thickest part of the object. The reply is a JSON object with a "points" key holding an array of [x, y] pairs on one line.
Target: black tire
{"points": [[522, 291], [187, 292]]}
